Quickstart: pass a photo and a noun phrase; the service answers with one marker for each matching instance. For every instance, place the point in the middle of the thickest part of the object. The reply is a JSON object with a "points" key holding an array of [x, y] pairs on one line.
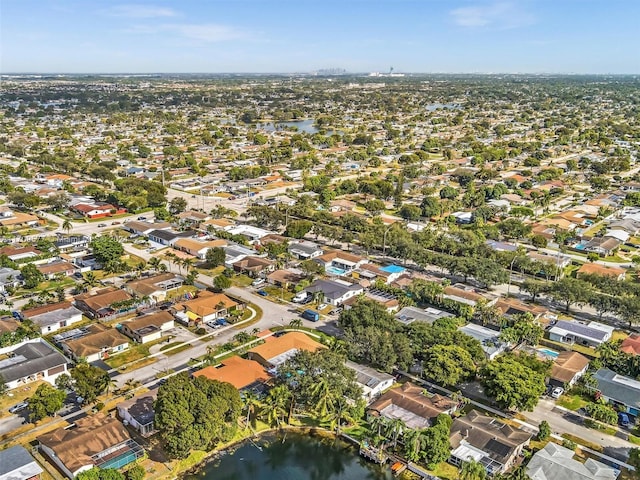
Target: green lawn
{"points": [[134, 353], [241, 280], [181, 348], [445, 471], [572, 402]]}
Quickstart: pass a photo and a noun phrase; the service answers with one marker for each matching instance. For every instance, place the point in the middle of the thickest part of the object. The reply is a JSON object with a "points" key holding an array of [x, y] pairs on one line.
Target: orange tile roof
{"points": [[292, 340], [237, 371], [207, 303], [603, 270], [631, 344]]}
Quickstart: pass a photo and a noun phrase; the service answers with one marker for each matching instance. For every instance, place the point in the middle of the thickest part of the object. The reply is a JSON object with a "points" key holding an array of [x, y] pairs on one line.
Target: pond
{"points": [[307, 126], [292, 456]]}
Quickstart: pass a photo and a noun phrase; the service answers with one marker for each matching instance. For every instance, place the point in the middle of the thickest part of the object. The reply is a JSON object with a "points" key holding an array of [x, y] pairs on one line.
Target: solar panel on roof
{"points": [[582, 330], [498, 448]]}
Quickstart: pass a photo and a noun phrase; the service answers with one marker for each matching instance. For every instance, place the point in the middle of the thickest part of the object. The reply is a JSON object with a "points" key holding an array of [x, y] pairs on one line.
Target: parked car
{"points": [[18, 407], [262, 293], [142, 218], [322, 306], [257, 282], [557, 392], [311, 315], [623, 420], [115, 223], [300, 297], [100, 225]]}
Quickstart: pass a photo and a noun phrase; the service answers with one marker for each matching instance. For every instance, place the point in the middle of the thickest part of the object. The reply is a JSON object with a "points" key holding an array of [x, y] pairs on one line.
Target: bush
{"points": [[544, 430], [201, 331], [569, 444], [99, 406], [137, 472]]}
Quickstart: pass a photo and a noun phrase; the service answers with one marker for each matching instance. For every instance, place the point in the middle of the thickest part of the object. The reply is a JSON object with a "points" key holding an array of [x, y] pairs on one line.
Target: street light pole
{"points": [[510, 273]]}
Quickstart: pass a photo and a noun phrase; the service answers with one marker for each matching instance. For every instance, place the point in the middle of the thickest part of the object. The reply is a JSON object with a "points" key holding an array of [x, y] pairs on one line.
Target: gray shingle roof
{"points": [[618, 387], [29, 359], [17, 464]]}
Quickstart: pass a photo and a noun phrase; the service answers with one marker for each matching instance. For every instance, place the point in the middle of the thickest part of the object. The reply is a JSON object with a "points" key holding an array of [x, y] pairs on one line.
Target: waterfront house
{"points": [[241, 373], [412, 405], [138, 412], [486, 440], [371, 381]]}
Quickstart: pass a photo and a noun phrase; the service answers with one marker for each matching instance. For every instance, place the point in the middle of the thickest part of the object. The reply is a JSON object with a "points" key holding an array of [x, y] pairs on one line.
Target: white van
{"points": [[257, 282]]}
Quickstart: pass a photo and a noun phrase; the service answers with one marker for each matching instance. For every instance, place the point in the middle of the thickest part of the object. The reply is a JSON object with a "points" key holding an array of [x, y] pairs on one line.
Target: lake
{"points": [[292, 456], [306, 126]]}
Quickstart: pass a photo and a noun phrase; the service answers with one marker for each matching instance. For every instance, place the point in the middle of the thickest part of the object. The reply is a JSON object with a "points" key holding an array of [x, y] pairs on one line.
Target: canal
{"points": [[292, 456]]}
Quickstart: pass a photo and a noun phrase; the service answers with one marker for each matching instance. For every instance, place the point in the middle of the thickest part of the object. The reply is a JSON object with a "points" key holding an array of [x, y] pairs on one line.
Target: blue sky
{"points": [[558, 36]]}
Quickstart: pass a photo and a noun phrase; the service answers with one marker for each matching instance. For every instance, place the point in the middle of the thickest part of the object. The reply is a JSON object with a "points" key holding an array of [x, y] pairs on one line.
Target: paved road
{"points": [[560, 424]]}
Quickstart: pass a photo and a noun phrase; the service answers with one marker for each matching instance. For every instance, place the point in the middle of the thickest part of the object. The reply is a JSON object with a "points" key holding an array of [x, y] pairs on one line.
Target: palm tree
{"points": [[393, 430], [323, 397], [111, 385], [170, 257], [473, 470], [67, 226], [187, 263], [295, 323], [377, 424], [154, 263], [413, 441], [251, 403], [341, 412], [275, 404], [140, 267], [90, 279]]}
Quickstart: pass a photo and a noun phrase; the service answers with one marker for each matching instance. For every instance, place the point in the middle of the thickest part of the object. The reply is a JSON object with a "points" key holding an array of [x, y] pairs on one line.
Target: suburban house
{"points": [[489, 339], [284, 278], [20, 253], [254, 266], [8, 324], [207, 306], [556, 462], [277, 350], [148, 328], [167, 238], [30, 361], [9, 278], [371, 381], [304, 250], [98, 343], [335, 292], [95, 441], [16, 463], [138, 412], [234, 253], [241, 373], [412, 405], [12, 220], [192, 218], [467, 295], [591, 333], [372, 272], [567, 368], [198, 248], [253, 234], [512, 306], [52, 317], [631, 344], [387, 300], [620, 391], [155, 287], [557, 263], [105, 302], [144, 228], [337, 262], [410, 314], [97, 210], [602, 270], [603, 246], [56, 268], [493, 444]]}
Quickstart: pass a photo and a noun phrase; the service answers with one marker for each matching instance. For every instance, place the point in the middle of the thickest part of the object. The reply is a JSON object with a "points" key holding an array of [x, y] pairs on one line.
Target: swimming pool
{"points": [[580, 246], [335, 271], [392, 269], [548, 353]]}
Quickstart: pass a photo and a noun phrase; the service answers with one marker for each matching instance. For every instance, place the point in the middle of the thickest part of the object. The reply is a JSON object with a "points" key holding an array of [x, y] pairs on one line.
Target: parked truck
{"points": [[311, 315]]}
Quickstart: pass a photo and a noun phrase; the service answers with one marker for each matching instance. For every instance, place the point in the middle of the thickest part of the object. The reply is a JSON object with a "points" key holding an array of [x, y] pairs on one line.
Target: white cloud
{"points": [[202, 33], [140, 11], [500, 15]]}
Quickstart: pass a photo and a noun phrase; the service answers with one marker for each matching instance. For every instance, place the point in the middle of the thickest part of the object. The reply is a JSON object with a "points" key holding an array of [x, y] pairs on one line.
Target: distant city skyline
{"points": [[280, 36]]}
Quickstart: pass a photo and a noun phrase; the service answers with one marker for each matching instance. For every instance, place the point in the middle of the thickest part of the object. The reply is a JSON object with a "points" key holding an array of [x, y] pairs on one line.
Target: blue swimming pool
{"points": [[335, 271], [392, 269], [580, 246], [548, 353]]}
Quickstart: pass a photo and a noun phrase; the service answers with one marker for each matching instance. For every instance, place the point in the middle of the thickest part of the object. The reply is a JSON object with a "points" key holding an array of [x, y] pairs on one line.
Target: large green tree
{"points": [[45, 402], [89, 381], [512, 384], [448, 364], [195, 413], [106, 249]]}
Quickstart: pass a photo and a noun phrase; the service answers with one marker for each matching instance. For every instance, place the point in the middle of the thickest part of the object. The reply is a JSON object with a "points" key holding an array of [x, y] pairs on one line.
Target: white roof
{"points": [[554, 462], [619, 234]]}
